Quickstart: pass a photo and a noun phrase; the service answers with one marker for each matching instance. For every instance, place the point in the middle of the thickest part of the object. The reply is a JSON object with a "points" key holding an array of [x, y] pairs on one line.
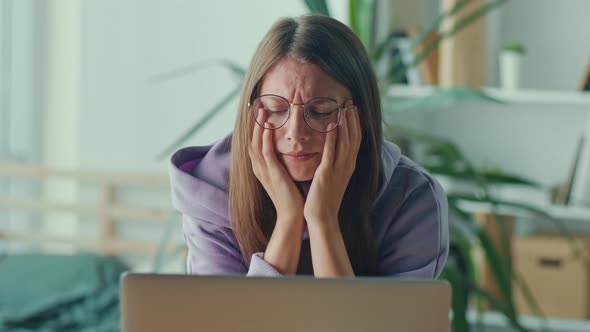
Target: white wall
{"points": [[19, 81], [20, 127], [61, 105], [125, 119]]}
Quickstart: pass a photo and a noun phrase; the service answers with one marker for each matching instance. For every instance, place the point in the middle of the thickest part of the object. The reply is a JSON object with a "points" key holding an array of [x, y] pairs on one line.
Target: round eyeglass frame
{"points": [[340, 110]]}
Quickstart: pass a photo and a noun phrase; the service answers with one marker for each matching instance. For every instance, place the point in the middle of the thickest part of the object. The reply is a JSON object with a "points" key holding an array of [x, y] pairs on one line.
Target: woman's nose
{"points": [[297, 128]]}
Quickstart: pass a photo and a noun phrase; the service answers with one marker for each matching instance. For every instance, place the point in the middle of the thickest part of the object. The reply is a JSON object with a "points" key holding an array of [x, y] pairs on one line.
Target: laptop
{"points": [[152, 302]]}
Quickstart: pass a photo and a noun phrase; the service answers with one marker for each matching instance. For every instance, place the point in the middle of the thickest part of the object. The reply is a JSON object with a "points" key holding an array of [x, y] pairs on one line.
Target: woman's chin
{"points": [[301, 172], [301, 175]]}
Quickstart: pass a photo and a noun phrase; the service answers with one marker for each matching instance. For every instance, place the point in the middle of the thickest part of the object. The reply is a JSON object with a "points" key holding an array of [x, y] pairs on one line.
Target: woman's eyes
{"points": [[312, 113], [320, 115], [276, 110]]}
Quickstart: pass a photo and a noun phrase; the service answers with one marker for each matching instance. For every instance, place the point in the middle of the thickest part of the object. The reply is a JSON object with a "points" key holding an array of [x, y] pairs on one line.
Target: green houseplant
{"points": [[514, 47], [444, 158]]}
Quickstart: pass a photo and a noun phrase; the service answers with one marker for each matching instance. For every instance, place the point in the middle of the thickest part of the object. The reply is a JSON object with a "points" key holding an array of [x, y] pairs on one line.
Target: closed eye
{"points": [[277, 112], [320, 115]]}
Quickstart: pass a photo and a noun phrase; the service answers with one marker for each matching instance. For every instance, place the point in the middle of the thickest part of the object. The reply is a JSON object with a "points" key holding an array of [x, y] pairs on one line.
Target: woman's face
{"points": [[298, 146]]}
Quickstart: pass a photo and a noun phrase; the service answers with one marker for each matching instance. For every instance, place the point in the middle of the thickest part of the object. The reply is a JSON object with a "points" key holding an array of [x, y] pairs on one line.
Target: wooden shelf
{"points": [[517, 96], [570, 212]]}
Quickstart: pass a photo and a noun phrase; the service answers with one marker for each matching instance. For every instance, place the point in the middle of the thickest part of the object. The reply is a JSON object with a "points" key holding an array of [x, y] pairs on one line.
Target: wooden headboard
{"points": [[106, 210]]}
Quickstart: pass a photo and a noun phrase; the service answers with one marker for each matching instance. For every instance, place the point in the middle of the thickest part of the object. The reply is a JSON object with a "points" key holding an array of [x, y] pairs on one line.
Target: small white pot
{"points": [[510, 70]]}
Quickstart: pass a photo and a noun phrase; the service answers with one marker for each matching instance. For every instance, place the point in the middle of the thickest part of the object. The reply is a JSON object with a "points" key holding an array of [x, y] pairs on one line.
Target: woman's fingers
{"points": [[355, 137], [343, 140], [256, 143], [329, 147], [255, 151], [268, 151], [355, 129]]}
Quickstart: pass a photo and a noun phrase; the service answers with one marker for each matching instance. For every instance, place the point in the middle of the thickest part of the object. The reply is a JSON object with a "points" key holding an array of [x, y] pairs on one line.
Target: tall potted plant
{"points": [[446, 159]]}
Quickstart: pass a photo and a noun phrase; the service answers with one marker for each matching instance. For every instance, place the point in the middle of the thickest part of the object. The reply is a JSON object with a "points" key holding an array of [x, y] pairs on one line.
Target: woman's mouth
{"points": [[299, 156]]}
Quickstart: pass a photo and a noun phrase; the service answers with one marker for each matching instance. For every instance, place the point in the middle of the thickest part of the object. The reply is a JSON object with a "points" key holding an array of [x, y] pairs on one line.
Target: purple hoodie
{"points": [[410, 217]]}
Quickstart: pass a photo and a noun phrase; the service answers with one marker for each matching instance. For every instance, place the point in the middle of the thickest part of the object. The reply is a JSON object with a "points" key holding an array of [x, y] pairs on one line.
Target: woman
{"points": [[306, 184]]}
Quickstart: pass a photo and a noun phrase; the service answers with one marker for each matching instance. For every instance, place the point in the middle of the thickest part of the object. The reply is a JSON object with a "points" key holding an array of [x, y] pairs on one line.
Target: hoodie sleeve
{"points": [[199, 179], [212, 249], [416, 243]]}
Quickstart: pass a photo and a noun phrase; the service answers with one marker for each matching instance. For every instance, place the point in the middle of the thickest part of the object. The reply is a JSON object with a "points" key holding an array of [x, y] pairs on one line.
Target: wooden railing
{"points": [[107, 210]]}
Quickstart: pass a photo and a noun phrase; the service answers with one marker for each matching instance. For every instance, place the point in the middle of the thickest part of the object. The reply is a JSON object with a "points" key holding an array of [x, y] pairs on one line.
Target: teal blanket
{"points": [[59, 293]]}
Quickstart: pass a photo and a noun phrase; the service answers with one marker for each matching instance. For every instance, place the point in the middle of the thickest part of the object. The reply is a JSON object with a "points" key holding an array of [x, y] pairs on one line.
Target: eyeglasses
{"points": [[318, 112]]}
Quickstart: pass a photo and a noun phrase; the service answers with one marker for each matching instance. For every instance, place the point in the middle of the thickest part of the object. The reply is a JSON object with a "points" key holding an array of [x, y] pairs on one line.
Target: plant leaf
{"points": [[318, 7], [362, 18], [531, 301], [238, 71], [352, 18], [415, 134], [447, 152], [522, 206], [382, 47], [462, 243], [452, 273], [493, 178], [202, 122], [501, 274], [461, 284], [465, 216], [561, 227], [500, 178], [496, 304]]}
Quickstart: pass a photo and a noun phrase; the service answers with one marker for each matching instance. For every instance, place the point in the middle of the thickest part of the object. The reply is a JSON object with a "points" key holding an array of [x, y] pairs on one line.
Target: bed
{"points": [[55, 278]]}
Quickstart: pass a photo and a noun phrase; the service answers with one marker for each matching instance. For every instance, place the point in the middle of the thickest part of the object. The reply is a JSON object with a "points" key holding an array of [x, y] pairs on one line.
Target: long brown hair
{"points": [[332, 46]]}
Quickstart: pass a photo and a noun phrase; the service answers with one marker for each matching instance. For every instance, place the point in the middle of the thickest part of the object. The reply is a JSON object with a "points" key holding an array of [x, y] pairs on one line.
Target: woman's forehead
{"points": [[295, 80]]}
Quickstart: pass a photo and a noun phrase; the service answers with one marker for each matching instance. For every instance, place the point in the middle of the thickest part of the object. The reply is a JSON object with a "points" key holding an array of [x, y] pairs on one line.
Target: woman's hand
{"points": [[333, 174], [283, 192], [284, 246]]}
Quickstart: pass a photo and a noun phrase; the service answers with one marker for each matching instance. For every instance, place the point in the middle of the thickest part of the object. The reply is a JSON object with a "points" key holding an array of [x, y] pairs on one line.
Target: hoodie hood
{"points": [[199, 179]]}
